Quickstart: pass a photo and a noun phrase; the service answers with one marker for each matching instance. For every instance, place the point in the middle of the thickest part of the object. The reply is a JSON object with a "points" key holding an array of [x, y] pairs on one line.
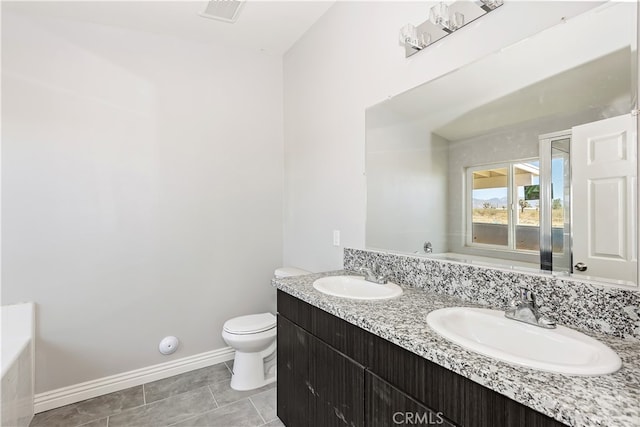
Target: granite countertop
{"points": [[608, 400]]}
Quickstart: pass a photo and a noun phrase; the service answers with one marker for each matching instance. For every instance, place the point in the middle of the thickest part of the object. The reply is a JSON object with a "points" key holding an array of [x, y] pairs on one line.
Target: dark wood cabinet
{"points": [[423, 380], [332, 373], [293, 361], [387, 405], [337, 387], [317, 385]]}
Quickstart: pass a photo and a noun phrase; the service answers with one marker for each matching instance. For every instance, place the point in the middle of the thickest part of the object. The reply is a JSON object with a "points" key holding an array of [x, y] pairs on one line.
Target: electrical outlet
{"points": [[336, 237]]}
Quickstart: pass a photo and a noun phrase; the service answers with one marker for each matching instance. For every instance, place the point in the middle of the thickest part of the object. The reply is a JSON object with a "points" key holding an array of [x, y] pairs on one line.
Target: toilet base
{"points": [[251, 370]]}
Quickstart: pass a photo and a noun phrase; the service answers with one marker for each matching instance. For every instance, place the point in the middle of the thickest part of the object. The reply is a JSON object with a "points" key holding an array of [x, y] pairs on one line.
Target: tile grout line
{"points": [[263, 391], [145, 403], [188, 390], [213, 396], [228, 404], [226, 380], [173, 395], [198, 415], [256, 408], [219, 407]]}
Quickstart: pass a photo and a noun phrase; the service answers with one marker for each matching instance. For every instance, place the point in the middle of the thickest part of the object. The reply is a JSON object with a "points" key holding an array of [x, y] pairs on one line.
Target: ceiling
{"points": [[597, 86], [268, 26]]}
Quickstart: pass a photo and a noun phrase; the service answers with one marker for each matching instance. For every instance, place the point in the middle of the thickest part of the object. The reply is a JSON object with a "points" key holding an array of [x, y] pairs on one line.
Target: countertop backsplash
{"points": [[582, 305]]}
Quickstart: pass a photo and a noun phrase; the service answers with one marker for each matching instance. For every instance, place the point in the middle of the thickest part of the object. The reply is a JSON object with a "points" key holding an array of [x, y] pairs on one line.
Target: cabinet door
{"points": [[337, 388], [387, 406], [294, 394], [317, 385]]}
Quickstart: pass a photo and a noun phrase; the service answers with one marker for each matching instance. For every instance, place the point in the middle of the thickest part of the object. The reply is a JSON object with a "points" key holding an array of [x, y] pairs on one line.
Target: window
{"points": [[503, 206]]}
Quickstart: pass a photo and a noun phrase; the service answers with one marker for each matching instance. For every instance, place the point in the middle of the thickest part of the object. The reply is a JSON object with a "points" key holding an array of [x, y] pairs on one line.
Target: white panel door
{"points": [[604, 175]]}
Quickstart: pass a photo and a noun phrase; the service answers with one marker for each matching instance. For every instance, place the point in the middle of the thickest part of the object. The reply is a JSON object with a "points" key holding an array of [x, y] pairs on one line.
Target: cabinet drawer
{"points": [[387, 406], [341, 335], [294, 309], [348, 339]]}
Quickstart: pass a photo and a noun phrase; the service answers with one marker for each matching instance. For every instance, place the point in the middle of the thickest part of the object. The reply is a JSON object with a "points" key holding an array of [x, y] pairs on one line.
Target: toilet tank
{"points": [[289, 272]]}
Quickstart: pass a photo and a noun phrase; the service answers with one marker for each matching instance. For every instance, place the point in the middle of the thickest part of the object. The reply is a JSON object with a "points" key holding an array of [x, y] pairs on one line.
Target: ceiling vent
{"points": [[223, 10]]}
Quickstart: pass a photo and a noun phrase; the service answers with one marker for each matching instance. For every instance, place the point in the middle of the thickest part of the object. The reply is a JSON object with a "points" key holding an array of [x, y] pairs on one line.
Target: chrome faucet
{"points": [[525, 309], [373, 274]]}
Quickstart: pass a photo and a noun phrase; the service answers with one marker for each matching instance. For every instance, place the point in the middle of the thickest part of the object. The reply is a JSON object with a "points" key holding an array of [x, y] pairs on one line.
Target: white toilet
{"points": [[254, 339]]}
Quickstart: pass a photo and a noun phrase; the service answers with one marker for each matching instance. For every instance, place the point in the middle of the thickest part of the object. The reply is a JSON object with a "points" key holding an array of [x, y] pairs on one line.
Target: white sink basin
{"points": [[355, 287], [488, 332]]}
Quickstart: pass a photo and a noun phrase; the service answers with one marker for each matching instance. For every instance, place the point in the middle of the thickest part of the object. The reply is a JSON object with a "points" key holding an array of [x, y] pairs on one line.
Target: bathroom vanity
{"points": [[377, 363], [483, 188]]}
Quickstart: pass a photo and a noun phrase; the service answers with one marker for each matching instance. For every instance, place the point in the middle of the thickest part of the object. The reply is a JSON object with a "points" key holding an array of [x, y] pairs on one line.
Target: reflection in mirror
{"points": [[525, 158]]}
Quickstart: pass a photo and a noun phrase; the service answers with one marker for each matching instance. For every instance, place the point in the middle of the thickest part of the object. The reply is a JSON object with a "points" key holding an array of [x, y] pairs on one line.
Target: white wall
{"points": [[349, 60], [141, 191], [407, 171]]}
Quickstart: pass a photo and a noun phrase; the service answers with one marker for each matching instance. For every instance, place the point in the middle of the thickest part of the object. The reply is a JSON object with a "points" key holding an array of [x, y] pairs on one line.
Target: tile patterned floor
{"points": [[200, 398]]}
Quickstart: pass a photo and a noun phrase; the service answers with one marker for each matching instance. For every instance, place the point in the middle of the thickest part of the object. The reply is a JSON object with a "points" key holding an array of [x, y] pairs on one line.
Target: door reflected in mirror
{"points": [[535, 169]]}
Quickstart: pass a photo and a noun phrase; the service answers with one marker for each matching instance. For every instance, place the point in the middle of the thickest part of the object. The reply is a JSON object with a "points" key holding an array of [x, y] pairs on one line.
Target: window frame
{"points": [[512, 206]]}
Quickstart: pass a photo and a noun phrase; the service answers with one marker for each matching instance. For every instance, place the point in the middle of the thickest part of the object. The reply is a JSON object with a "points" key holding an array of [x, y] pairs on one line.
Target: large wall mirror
{"points": [[526, 158]]}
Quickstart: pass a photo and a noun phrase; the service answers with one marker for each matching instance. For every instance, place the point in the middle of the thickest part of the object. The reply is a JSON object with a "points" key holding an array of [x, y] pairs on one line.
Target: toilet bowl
{"points": [[254, 339]]}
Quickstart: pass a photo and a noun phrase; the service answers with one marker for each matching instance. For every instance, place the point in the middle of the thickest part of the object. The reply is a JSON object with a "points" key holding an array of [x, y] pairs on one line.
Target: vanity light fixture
{"points": [[489, 5], [443, 20], [439, 15]]}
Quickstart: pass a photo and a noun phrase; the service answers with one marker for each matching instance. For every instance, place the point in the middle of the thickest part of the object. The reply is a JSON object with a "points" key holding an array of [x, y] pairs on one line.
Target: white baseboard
{"points": [[78, 392]]}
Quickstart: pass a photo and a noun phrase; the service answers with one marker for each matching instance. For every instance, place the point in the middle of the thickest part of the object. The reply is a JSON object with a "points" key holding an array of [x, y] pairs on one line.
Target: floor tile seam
{"points": [[150, 404], [231, 403], [123, 410], [272, 419], [89, 422], [176, 422], [207, 383], [213, 396], [190, 417], [144, 395], [269, 422], [177, 394], [219, 381], [108, 417], [103, 416], [240, 398], [263, 392], [256, 408], [228, 367], [208, 412]]}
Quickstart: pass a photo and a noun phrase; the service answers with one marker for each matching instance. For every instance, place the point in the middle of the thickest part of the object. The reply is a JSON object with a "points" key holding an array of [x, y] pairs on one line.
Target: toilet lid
{"points": [[250, 324]]}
